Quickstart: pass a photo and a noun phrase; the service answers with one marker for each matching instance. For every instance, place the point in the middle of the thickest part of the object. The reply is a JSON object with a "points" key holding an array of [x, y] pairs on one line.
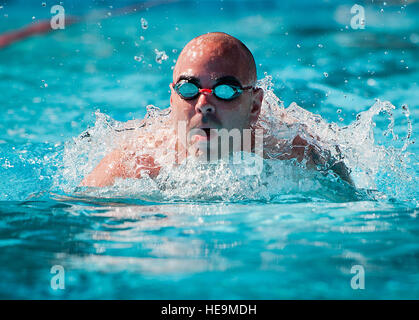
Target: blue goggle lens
{"points": [[226, 92], [187, 89]]}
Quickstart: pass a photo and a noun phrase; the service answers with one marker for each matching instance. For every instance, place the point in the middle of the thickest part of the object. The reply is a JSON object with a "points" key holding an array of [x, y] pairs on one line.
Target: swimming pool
{"points": [[292, 235]]}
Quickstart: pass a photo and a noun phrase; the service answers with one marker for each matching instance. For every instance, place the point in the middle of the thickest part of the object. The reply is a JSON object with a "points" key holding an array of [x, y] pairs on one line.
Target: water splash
{"points": [[374, 166], [378, 171]]}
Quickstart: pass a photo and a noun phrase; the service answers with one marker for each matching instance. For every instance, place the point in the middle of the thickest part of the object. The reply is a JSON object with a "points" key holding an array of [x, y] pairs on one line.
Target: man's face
{"points": [[208, 64]]}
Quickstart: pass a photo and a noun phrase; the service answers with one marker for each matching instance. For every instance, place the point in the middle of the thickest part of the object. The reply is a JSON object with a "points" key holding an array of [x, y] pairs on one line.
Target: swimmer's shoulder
{"points": [[135, 149], [123, 162]]}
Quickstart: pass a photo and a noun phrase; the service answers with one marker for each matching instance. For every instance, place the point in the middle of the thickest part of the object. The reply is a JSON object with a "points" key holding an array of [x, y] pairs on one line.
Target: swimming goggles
{"points": [[189, 90]]}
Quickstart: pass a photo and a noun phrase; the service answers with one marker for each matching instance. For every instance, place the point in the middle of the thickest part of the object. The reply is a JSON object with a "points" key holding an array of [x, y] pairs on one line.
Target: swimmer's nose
{"points": [[206, 109], [203, 106]]}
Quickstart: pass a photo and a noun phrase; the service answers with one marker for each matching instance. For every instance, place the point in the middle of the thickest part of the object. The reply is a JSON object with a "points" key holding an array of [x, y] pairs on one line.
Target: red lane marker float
{"points": [[40, 27], [44, 26]]}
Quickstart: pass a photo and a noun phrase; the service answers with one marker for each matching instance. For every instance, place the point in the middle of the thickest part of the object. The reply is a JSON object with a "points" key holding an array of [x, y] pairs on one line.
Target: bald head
{"points": [[218, 51]]}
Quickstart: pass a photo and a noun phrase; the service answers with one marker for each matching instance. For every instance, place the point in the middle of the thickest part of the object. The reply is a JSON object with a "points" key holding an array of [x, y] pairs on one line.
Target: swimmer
{"points": [[213, 88]]}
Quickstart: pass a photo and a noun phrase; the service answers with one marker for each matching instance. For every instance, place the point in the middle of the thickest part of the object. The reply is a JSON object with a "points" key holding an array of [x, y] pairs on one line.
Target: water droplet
{"points": [[138, 58], [414, 38], [320, 45], [325, 74], [144, 23], [174, 50], [386, 52], [141, 38], [298, 45], [160, 56], [44, 4], [338, 110]]}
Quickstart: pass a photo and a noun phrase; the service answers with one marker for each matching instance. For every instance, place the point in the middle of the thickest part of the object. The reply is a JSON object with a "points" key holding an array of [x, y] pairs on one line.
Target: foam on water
{"points": [[378, 171]]}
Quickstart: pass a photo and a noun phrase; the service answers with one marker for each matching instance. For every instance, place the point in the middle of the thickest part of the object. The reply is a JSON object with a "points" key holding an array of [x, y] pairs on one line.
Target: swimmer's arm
{"points": [[315, 158], [320, 159], [301, 149], [105, 173]]}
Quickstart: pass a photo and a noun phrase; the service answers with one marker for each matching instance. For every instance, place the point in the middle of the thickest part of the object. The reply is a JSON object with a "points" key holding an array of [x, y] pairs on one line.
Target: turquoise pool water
{"points": [[286, 234]]}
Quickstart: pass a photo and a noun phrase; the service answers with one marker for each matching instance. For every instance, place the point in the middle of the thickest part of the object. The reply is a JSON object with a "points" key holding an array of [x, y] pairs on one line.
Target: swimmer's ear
{"points": [[256, 104]]}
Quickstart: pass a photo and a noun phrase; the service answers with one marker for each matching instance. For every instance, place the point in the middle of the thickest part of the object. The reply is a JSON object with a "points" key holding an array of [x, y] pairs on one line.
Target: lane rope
{"points": [[44, 26]]}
